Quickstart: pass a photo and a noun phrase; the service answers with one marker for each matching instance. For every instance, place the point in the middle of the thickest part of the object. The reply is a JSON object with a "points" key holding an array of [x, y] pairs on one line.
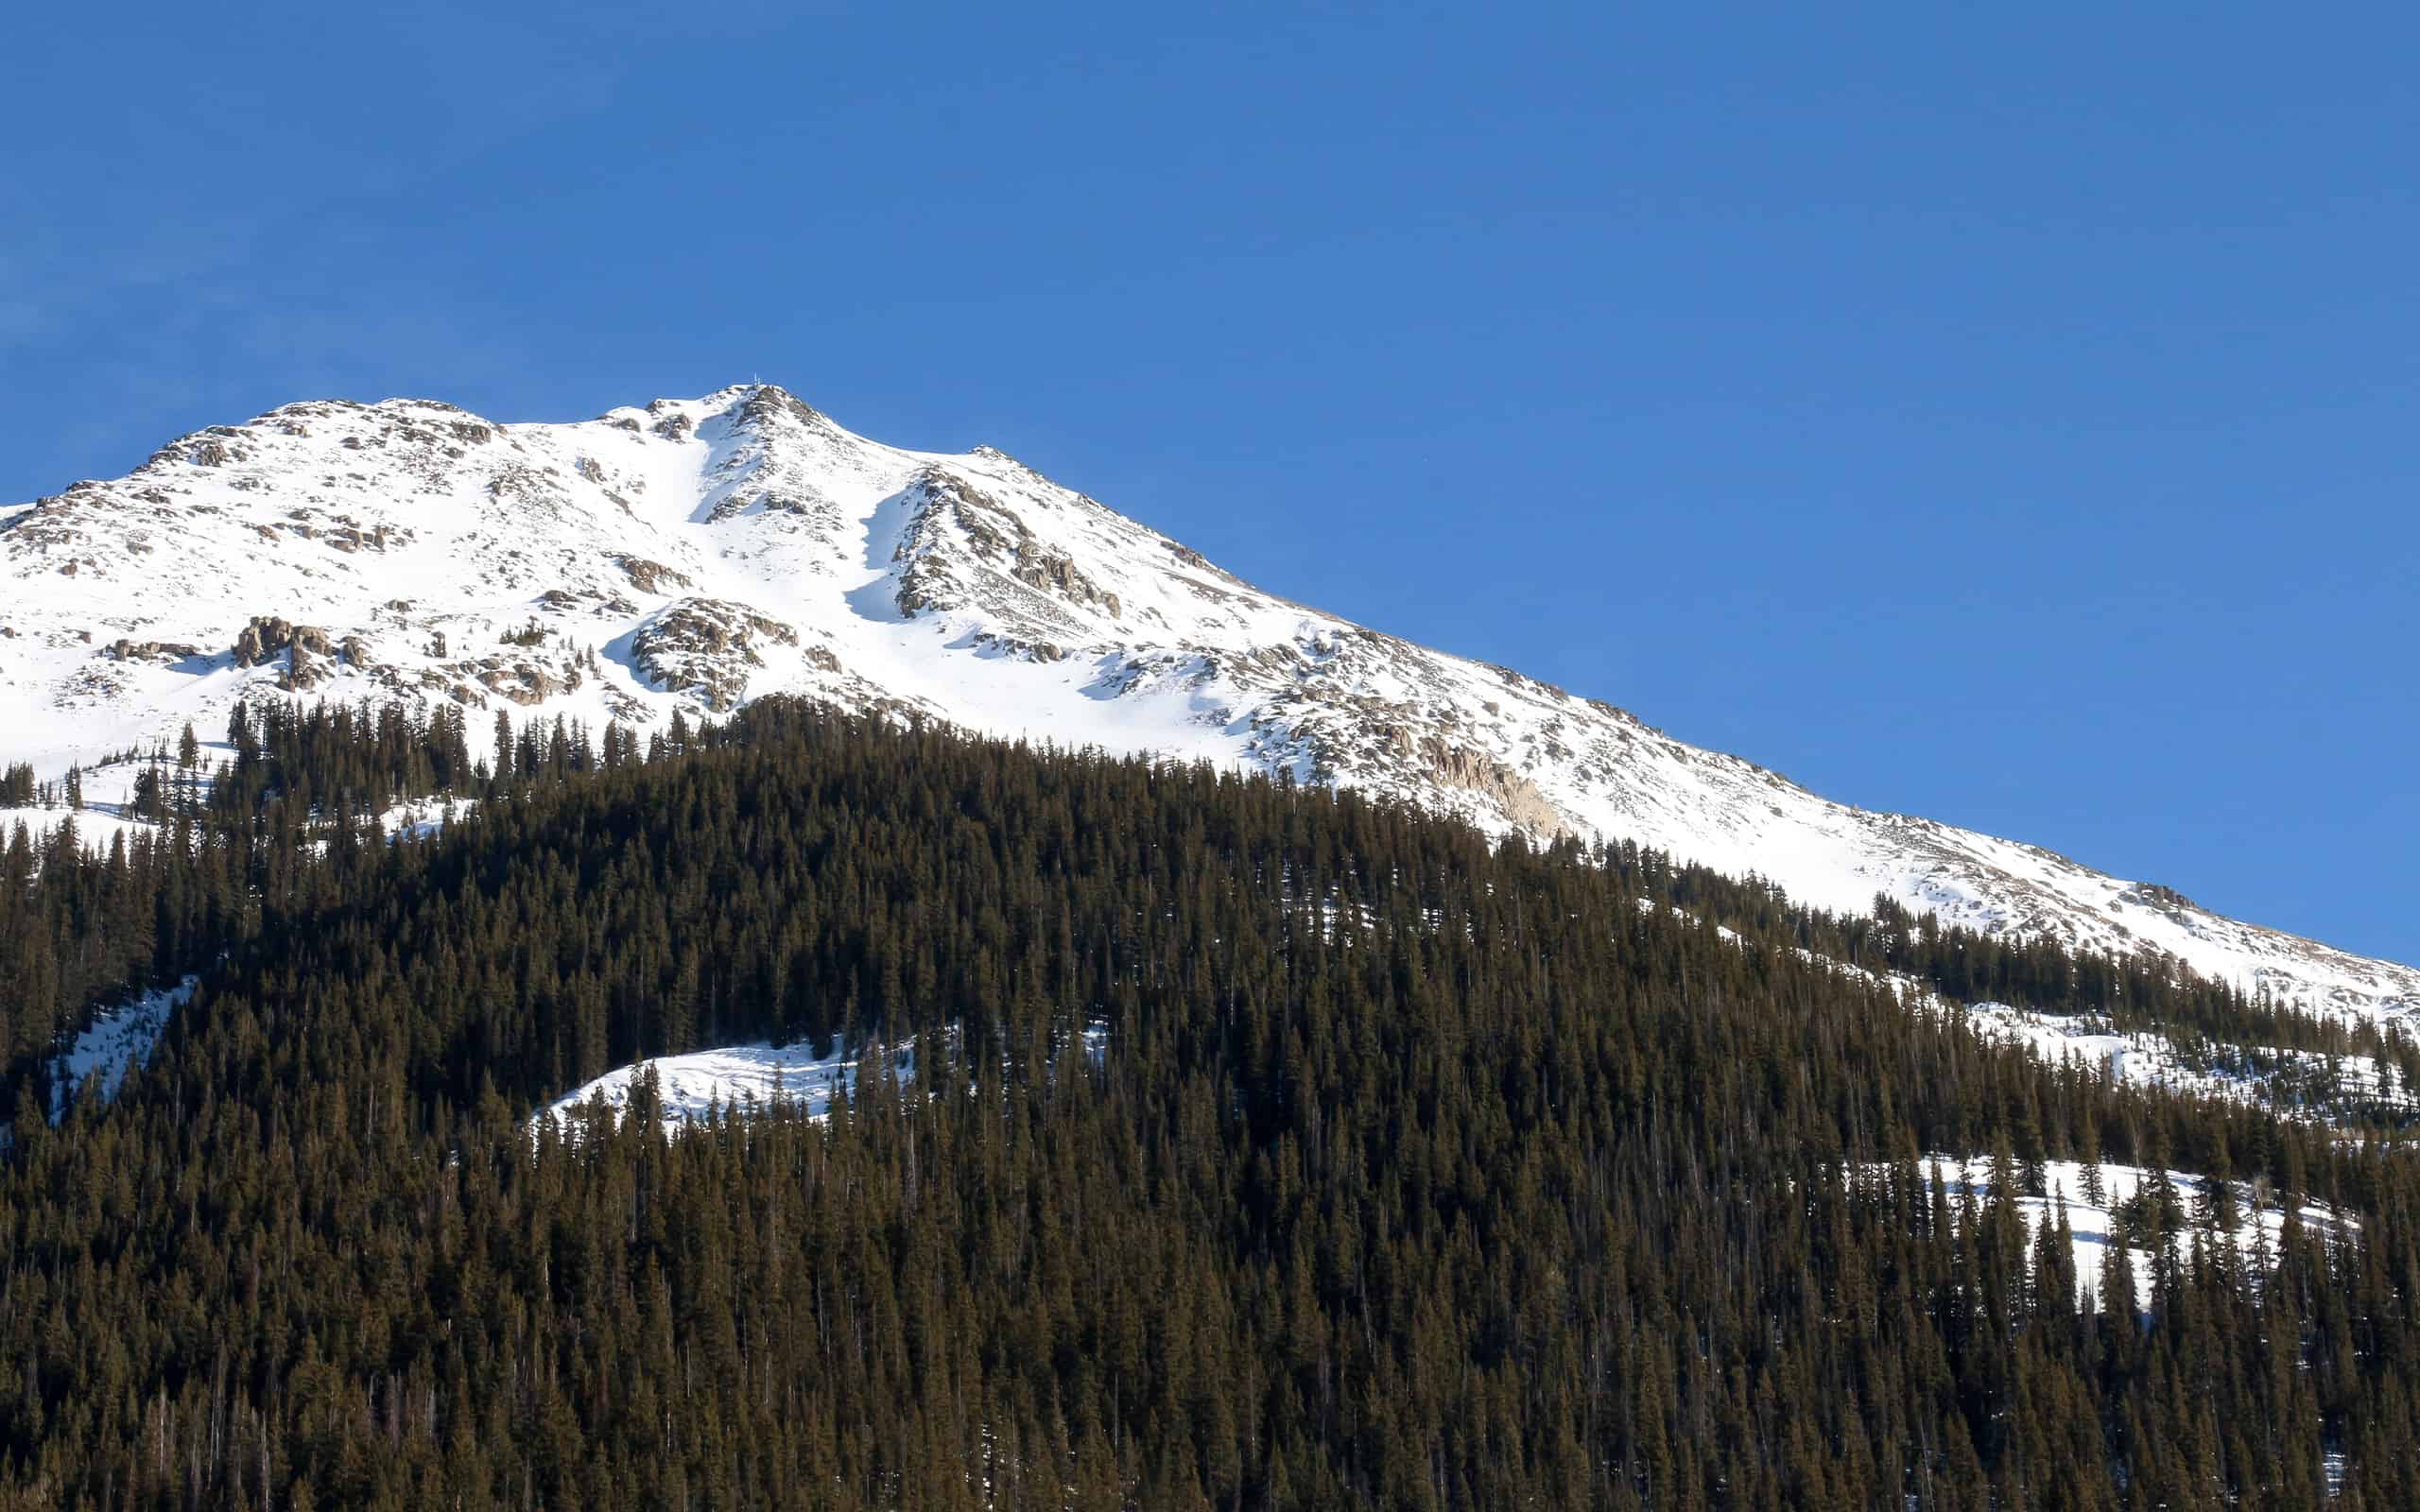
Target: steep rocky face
{"points": [[698, 553]]}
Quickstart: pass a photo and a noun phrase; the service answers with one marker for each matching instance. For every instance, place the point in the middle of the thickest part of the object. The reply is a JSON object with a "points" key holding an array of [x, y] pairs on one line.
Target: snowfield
{"points": [[695, 553]]}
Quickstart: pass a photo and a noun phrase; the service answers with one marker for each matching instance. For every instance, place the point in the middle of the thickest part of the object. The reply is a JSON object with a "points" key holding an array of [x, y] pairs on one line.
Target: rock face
{"points": [[1476, 771], [965, 548], [268, 635], [698, 553], [303, 645], [707, 647], [649, 577]]}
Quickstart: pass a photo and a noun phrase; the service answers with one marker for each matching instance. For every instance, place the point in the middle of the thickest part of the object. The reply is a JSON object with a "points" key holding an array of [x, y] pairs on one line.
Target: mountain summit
{"points": [[698, 553]]}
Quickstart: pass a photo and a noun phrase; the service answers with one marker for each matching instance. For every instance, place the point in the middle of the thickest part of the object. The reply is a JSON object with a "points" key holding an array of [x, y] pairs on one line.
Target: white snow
{"points": [[739, 1079], [743, 1080], [962, 587], [424, 818], [2093, 1225], [94, 828], [2291, 1080], [116, 1037]]}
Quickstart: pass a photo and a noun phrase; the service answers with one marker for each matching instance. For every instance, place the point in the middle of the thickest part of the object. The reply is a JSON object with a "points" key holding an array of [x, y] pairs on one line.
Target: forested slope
{"points": [[1414, 1172]]}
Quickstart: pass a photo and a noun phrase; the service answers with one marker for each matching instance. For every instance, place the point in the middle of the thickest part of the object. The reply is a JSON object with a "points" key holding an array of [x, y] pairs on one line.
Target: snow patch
{"points": [[741, 1080], [424, 818], [738, 1081], [117, 1036], [2095, 1225], [2304, 1082]]}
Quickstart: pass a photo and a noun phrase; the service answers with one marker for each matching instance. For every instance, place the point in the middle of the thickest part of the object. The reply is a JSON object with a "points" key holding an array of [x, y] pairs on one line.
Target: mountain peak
{"points": [[698, 553]]}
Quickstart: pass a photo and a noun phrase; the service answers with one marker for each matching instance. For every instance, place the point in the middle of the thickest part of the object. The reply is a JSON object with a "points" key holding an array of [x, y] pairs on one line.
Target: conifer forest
{"points": [[1267, 1147]]}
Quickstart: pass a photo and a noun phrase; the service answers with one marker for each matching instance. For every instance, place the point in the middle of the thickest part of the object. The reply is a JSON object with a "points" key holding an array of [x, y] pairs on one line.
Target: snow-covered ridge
{"points": [[700, 552]]}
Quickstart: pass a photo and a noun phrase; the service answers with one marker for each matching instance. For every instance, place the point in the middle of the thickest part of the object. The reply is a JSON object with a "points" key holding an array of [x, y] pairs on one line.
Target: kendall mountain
{"points": [[695, 554]]}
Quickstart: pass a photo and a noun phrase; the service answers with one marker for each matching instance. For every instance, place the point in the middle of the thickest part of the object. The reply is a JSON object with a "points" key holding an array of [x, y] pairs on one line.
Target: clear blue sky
{"points": [[1998, 413]]}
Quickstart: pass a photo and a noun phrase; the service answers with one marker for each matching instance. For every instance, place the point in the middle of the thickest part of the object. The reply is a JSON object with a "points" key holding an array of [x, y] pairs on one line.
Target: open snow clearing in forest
{"points": [[752, 1078], [116, 1037], [737, 1080], [2300, 1083], [2097, 1225], [97, 829]]}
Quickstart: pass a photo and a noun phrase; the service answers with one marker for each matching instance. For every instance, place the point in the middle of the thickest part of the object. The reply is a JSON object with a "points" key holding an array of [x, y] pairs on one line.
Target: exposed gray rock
{"points": [[268, 635], [769, 401], [707, 647], [1434, 758], [124, 649], [649, 577]]}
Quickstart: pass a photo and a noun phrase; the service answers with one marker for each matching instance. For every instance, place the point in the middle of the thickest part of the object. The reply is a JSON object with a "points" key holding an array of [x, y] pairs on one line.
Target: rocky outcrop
{"points": [[585, 600], [1438, 760], [212, 448], [767, 401], [1053, 572], [305, 646], [648, 576], [268, 635], [524, 682], [124, 649], [708, 648], [2161, 900], [956, 519]]}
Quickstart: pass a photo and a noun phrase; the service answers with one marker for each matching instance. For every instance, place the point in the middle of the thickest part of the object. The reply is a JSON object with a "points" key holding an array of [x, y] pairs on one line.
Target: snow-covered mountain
{"points": [[703, 552]]}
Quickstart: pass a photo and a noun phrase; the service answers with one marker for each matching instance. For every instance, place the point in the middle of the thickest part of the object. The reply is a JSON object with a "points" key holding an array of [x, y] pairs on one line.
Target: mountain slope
{"points": [[698, 553]]}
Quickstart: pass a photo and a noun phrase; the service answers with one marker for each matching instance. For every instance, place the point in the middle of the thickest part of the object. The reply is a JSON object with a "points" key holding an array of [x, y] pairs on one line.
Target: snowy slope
{"points": [[702, 552], [2299, 1083], [736, 1080], [117, 1038], [741, 1079], [2094, 1226]]}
